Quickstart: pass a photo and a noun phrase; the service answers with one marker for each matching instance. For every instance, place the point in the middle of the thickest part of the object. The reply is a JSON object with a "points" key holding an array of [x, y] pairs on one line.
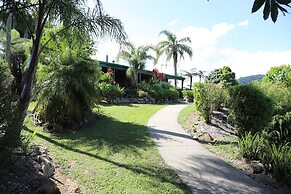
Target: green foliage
{"points": [[25, 143], [172, 94], [277, 160], [66, 82], [271, 7], [223, 75], [280, 129], [174, 48], [279, 74], [250, 108], [136, 57], [110, 91], [8, 99], [250, 146], [207, 98], [188, 95], [159, 90]]}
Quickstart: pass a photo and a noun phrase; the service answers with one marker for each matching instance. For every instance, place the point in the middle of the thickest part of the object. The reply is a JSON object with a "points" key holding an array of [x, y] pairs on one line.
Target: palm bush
{"points": [[188, 95], [67, 87]]}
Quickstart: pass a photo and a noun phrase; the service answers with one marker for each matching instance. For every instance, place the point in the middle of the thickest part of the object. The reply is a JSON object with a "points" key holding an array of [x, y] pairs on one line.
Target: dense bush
{"points": [[66, 83], [281, 73], [159, 90], [188, 95], [223, 76], [8, 99], [250, 108], [110, 91], [207, 98]]}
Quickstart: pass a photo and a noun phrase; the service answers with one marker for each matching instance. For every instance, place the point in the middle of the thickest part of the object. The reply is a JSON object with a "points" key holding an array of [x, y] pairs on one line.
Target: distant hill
{"points": [[249, 79]]}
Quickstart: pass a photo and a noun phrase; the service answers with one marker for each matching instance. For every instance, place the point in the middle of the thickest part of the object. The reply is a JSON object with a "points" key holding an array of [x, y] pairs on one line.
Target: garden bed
{"points": [[221, 140]]}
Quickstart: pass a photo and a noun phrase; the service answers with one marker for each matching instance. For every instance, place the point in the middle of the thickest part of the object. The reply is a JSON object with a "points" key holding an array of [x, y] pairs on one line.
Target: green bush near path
{"points": [[114, 155]]}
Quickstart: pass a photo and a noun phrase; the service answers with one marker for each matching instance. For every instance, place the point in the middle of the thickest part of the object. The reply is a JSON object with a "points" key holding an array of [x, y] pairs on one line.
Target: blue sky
{"points": [[223, 32]]}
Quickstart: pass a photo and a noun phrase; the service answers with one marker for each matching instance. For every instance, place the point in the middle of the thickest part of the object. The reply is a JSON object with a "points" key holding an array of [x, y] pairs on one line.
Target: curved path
{"points": [[197, 167]]}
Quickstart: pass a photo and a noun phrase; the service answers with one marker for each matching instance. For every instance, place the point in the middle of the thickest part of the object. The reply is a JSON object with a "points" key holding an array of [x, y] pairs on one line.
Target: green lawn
{"points": [[115, 155]]}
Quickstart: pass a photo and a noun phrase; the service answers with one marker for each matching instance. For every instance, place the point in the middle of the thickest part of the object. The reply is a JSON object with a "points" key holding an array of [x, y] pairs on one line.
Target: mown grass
{"points": [[114, 155]]}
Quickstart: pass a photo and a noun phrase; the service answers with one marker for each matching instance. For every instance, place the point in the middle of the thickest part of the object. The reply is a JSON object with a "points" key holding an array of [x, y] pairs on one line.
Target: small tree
{"points": [[223, 75], [136, 57], [174, 48], [279, 74], [74, 15]]}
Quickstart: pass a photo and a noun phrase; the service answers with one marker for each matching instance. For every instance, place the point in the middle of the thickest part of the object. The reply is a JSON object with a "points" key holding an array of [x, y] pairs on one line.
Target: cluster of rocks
{"points": [[30, 172], [48, 126], [138, 100]]}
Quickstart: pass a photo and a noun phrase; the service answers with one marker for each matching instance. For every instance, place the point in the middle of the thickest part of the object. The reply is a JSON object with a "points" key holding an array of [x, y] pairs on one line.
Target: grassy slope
{"points": [[115, 155], [228, 150]]}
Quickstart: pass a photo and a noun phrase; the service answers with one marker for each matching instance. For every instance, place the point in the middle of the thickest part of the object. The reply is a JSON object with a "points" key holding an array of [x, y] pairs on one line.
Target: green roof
{"points": [[124, 67]]}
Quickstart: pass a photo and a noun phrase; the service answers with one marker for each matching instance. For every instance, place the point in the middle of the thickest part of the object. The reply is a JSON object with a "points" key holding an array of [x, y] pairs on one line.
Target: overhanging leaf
{"points": [[257, 5], [267, 10], [274, 12]]}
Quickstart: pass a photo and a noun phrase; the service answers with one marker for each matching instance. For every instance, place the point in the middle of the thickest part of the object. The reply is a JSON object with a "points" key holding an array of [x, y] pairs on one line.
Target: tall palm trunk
{"points": [[175, 58], [135, 76], [12, 135], [191, 82]]}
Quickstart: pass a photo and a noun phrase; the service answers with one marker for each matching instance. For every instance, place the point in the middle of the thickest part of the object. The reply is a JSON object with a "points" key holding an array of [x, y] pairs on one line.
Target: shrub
{"points": [[280, 129], [172, 94], [159, 90], [277, 160], [250, 146], [279, 74], [207, 98], [67, 89], [188, 95], [8, 99], [250, 108], [110, 91], [223, 76]]}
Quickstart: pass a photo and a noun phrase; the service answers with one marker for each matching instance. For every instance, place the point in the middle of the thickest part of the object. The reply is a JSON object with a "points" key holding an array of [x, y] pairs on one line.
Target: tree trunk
{"points": [[175, 58], [12, 135], [135, 76], [191, 82]]}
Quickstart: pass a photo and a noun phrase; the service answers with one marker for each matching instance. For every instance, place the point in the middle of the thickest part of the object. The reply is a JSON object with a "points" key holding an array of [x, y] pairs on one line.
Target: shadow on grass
{"points": [[118, 137]]}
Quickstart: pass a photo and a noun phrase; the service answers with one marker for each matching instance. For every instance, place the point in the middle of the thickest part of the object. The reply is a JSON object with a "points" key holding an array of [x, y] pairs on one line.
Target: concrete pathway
{"points": [[197, 167]]}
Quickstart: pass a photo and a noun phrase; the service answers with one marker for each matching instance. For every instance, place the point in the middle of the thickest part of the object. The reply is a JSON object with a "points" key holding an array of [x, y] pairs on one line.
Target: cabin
{"points": [[120, 77]]}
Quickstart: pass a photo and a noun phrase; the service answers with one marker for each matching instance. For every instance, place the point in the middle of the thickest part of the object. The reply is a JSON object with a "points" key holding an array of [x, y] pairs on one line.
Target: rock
{"points": [[206, 137], [48, 187], [257, 167], [47, 166]]}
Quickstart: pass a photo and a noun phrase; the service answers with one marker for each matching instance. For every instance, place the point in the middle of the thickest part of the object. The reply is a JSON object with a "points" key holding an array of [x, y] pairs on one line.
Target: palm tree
{"points": [[136, 57], [200, 74], [174, 48], [74, 15], [192, 72]]}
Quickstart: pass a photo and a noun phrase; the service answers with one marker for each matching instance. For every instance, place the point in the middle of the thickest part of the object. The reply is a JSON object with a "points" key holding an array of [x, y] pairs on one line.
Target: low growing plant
{"points": [[277, 161], [250, 146]]}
